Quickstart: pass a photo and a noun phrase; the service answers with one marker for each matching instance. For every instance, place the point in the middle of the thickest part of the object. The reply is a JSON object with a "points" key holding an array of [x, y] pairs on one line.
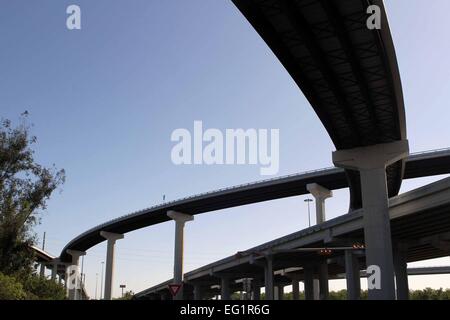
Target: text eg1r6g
{"points": [[249, 309]]}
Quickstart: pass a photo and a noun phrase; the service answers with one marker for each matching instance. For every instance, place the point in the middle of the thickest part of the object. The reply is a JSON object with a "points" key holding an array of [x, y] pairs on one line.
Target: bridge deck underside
{"points": [[348, 73]]}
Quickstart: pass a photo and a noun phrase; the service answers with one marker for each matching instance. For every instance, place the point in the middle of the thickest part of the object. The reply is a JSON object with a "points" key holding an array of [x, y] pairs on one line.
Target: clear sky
{"points": [[105, 99]]}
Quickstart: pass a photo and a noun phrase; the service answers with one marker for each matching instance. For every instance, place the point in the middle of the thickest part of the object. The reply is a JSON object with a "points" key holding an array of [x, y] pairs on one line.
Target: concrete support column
{"points": [[42, 269], [268, 278], [73, 288], [320, 194], [323, 281], [316, 289], [280, 292], [309, 282], [109, 274], [352, 276], [225, 288], [54, 269], [295, 289], [198, 292], [401, 275], [180, 221], [371, 162], [256, 289]]}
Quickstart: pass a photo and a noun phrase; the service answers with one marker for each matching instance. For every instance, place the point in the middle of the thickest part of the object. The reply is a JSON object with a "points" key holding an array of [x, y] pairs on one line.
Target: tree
{"points": [[25, 187]]}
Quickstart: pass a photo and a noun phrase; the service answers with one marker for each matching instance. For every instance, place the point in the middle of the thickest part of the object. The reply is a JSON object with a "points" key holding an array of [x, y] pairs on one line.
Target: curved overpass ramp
{"points": [[417, 165]]}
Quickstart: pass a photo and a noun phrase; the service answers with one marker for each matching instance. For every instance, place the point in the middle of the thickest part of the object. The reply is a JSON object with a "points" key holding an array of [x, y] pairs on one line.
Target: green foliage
{"points": [[10, 288], [41, 288], [29, 287], [426, 294], [25, 187], [430, 294]]}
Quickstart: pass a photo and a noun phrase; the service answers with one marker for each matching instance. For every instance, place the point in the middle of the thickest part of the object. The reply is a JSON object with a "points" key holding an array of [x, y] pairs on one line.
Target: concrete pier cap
{"points": [[318, 191], [179, 217], [375, 156], [320, 194], [111, 236]]}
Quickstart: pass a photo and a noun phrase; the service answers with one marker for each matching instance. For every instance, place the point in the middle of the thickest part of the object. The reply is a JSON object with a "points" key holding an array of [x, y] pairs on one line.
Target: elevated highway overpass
{"points": [[420, 221], [349, 74]]}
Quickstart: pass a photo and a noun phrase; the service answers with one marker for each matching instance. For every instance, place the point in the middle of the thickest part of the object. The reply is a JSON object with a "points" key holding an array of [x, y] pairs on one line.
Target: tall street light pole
{"points": [[82, 272], [96, 282], [308, 200], [101, 281]]}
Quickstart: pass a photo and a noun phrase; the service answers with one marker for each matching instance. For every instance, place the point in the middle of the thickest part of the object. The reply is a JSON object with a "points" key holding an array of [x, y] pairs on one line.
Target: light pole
{"points": [[308, 200], [96, 282], [82, 272], [101, 281], [122, 286]]}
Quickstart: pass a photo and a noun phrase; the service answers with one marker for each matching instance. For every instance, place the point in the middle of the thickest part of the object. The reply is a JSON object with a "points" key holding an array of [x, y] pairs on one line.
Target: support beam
{"points": [[42, 270], [316, 289], [371, 162], [180, 220], [225, 288], [54, 268], [309, 282], [352, 275], [280, 292], [109, 274], [198, 292], [323, 281], [401, 275], [268, 278], [320, 194], [74, 287], [295, 289], [256, 289]]}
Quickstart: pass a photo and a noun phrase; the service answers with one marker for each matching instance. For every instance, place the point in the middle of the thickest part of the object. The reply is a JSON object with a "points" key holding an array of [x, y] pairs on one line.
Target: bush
{"points": [[10, 288], [39, 288], [29, 287]]}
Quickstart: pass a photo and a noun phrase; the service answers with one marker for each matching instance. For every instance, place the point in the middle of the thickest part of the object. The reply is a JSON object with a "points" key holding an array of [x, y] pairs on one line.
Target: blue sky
{"points": [[104, 101]]}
